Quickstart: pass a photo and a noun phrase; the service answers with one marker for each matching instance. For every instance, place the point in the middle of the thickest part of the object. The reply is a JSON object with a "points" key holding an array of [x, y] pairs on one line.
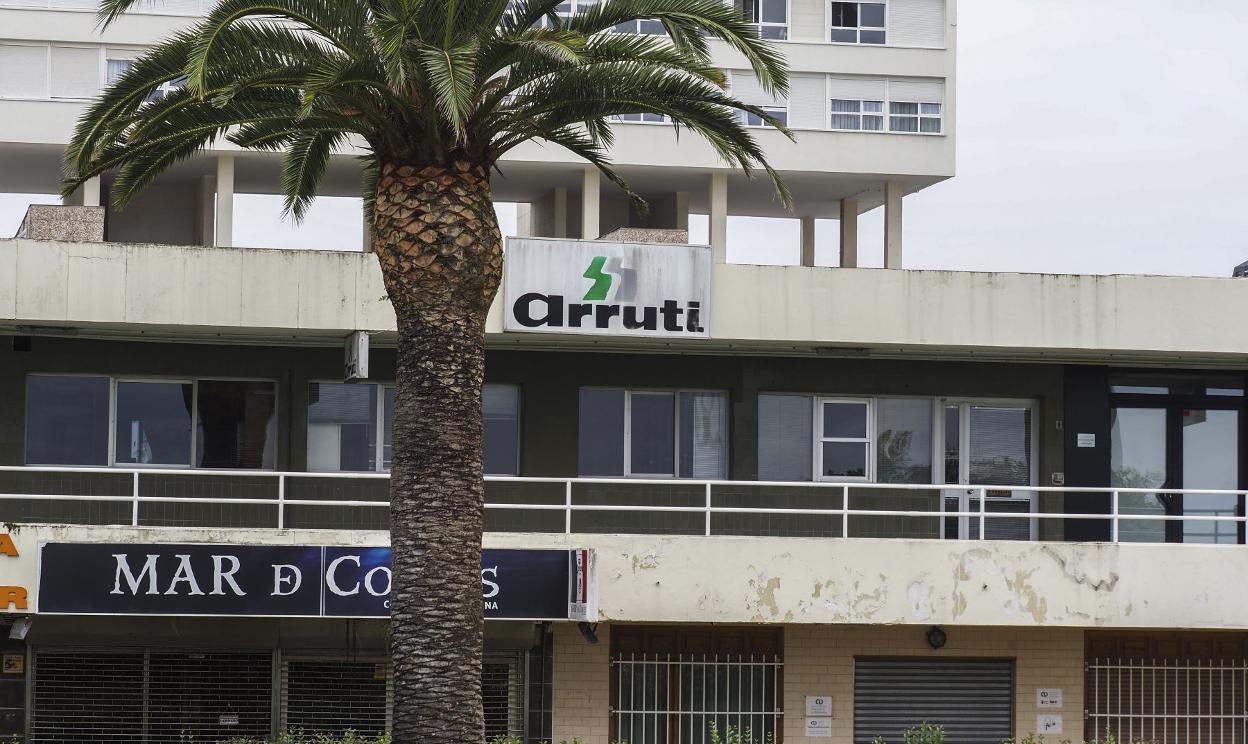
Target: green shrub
{"points": [[924, 733]]}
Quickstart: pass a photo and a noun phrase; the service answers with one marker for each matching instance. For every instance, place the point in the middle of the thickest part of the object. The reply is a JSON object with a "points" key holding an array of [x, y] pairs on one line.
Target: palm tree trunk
{"points": [[440, 250]]}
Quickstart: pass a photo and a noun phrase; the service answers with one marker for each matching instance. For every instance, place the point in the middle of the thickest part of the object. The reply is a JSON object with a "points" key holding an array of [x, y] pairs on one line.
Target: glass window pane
{"points": [[903, 440], [903, 123], [845, 35], [844, 460], [903, 108], [117, 68], [774, 32], [845, 14], [784, 437], [781, 115], [929, 126], [1000, 446], [870, 37], [775, 11], [846, 121], [342, 427], [235, 424], [1139, 389], [871, 15], [600, 439], [153, 423], [387, 426], [873, 107], [845, 420], [650, 27], [873, 123], [953, 443], [501, 409], [703, 435], [652, 441], [1225, 391], [929, 109], [1137, 459], [1210, 460], [842, 106], [66, 420]]}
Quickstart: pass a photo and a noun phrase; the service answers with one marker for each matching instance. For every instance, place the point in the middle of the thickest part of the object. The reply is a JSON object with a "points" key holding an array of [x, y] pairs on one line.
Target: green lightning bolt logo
{"points": [[602, 281]]}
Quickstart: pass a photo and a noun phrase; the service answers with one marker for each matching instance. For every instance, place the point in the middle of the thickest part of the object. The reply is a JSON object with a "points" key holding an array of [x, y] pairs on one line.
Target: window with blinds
{"points": [[653, 433]]}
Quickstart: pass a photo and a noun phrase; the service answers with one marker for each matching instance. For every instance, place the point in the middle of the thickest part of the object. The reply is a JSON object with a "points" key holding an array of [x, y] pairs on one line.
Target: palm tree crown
{"points": [[418, 81]]}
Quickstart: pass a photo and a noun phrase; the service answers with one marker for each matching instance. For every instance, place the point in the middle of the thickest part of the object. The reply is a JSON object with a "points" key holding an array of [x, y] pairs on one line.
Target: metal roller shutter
{"points": [[331, 696], [972, 700], [744, 85], [87, 697], [502, 694]]}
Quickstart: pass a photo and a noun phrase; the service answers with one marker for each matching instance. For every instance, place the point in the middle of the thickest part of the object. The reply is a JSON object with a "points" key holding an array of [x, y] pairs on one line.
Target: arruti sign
{"points": [[291, 581], [609, 289]]}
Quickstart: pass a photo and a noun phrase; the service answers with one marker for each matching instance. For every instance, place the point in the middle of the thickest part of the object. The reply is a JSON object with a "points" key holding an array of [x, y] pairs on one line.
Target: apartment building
{"points": [[814, 502]]}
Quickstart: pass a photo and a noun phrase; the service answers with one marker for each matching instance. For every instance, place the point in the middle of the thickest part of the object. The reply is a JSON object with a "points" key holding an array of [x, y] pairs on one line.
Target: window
{"points": [[770, 16], [643, 26], [864, 116], [642, 118], [844, 439], [116, 68], [785, 447], [347, 420], [903, 440], [653, 434], [66, 420], [780, 113], [858, 23], [81, 420], [914, 117]]}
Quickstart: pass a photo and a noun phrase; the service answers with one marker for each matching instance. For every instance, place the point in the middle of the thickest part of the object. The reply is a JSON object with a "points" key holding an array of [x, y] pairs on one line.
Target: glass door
{"points": [[1210, 443], [1138, 458], [989, 443]]}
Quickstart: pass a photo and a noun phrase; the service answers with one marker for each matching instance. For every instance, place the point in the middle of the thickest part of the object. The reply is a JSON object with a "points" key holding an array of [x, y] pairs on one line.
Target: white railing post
{"points": [[134, 500], [281, 501], [567, 508], [1113, 515], [708, 508], [844, 511], [983, 511]]}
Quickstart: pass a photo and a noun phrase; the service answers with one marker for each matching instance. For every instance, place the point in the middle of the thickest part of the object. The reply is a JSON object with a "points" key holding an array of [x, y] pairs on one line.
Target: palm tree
{"points": [[432, 93]]}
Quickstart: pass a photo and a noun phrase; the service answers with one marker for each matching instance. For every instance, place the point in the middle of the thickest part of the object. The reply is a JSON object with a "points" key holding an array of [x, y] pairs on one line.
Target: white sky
{"points": [[1094, 136]]}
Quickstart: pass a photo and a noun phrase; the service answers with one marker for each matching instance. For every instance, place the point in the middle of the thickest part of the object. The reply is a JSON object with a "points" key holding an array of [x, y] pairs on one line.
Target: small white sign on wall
{"points": [[819, 728], [1049, 697], [818, 705], [1049, 723], [1085, 440]]}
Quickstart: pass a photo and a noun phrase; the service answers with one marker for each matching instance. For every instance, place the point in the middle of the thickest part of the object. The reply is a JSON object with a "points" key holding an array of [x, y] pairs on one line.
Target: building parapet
{"points": [[62, 223]]}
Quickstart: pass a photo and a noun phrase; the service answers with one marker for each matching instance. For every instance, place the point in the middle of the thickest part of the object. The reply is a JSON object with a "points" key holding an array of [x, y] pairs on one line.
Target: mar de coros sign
{"points": [[608, 289]]}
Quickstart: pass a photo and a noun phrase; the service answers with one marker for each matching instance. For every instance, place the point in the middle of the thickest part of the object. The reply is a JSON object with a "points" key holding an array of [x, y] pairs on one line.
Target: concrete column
{"points": [[670, 211], [591, 181], [550, 214], [849, 233], [225, 201], [524, 220], [808, 241], [366, 225], [718, 217], [892, 225], [86, 195], [207, 213]]}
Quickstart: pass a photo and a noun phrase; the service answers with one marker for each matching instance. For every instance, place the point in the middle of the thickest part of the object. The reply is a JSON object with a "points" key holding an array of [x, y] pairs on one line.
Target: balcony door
{"points": [[1164, 445], [987, 443]]}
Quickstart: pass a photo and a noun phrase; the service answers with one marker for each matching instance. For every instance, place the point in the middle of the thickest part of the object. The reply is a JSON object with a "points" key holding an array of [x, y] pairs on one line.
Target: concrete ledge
{"points": [[65, 223]]}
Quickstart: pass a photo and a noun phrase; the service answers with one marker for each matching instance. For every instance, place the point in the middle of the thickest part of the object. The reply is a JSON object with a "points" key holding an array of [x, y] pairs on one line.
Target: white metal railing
{"points": [[573, 497]]}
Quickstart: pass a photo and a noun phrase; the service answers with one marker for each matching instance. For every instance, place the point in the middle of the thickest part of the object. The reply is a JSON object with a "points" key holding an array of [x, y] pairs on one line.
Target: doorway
{"points": [[987, 442]]}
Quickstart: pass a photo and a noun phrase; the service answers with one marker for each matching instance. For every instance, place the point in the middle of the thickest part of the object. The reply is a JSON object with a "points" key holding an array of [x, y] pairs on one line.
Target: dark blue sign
{"points": [[290, 581]]}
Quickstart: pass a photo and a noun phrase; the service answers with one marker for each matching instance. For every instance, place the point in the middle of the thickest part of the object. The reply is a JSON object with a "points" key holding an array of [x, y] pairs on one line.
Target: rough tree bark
{"points": [[438, 242]]}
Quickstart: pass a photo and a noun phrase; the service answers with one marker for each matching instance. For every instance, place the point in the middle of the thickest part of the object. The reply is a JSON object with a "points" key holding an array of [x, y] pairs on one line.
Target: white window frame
{"points": [[628, 426], [780, 112], [379, 428], [619, 118], [868, 441], [861, 114], [111, 458], [828, 27], [760, 24], [920, 117]]}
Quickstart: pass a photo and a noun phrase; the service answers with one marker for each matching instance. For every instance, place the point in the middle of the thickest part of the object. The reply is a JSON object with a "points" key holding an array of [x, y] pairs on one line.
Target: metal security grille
{"points": [[972, 700], [152, 697], [87, 697], [333, 696], [674, 699], [1184, 701], [502, 694]]}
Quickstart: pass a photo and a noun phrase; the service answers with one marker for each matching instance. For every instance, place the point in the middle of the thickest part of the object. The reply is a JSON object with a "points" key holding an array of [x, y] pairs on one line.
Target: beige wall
{"points": [[819, 660], [581, 682]]}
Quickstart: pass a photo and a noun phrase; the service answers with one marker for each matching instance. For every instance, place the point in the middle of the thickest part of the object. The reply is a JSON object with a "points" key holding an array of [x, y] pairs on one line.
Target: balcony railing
{"points": [[154, 497]]}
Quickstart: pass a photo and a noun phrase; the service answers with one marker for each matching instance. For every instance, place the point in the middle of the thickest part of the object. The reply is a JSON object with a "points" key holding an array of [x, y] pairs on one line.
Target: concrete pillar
{"points": [[670, 211], [524, 220], [591, 181], [892, 225], [849, 233], [225, 201], [207, 213], [86, 195], [808, 241], [718, 216], [366, 226], [550, 214]]}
